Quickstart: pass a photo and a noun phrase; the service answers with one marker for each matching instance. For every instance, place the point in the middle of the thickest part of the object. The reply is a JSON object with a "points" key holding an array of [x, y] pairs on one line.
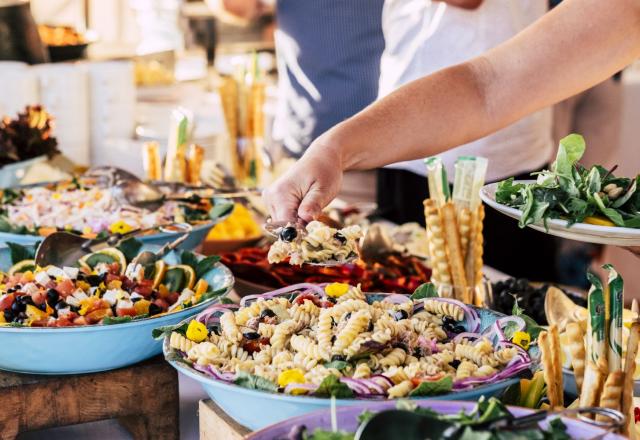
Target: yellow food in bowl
{"points": [[239, 225]]}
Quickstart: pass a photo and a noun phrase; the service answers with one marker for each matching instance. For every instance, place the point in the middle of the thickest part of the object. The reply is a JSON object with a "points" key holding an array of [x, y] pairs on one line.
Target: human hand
{"points": [[308, 186]]}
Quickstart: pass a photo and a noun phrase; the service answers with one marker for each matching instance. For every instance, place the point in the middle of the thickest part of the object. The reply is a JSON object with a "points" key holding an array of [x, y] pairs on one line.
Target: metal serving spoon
{"points": [[64, 248], [146, 258], [409, 425], [147, 196]]}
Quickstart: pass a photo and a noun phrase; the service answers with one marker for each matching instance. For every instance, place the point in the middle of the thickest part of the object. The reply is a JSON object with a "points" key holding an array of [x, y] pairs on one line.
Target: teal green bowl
{"points": [[257, 409], [86, 349]]}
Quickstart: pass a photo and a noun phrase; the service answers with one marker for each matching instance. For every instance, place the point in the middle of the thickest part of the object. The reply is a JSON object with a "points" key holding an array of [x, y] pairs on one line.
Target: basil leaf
{"points": [[426, 290], [331, 386], [338, 365], [130, 247], [20, 253], [253, 382], [111, 320], [570, 151], [189, 259], [433, 388], [205, 265], [212, 294], [161, 332], [611, 213]]}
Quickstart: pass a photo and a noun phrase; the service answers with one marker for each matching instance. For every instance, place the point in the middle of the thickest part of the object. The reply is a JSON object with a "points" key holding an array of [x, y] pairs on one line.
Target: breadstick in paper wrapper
{"points": [[465, 221], [576, 347], [611, 393], [476, 256], [194, 163], [616, 300], [437, 249], [151, 161]]}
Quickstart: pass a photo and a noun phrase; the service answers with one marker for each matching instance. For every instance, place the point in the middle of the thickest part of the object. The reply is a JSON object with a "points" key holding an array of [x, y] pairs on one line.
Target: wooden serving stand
{"points": [[143, 397], [215, 424]]}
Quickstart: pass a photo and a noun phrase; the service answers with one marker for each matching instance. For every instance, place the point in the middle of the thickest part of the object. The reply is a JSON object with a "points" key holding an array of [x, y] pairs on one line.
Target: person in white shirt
{"points": [[423, 36]]}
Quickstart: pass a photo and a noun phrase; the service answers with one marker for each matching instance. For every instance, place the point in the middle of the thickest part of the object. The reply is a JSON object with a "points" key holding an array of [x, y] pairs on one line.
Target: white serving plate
{"points": [[611, 235]]}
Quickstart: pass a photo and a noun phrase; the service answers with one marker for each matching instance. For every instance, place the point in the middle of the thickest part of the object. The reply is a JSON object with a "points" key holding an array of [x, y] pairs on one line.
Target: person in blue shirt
{"points": [[328, 54]]}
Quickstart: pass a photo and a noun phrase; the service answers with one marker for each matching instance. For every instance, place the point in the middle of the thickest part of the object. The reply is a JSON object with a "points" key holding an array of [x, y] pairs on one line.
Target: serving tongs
{"points": [[408, 425], [65, 249]]}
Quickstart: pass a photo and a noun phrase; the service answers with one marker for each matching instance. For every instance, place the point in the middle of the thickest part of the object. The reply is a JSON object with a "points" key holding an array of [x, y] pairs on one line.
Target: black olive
{"points": [[251, 335], [341, 238], [448, 320], [347, 316], [458, 329], [338, 357], [60, 305], [94, 280], [288, 234], [74, 309], [333, 339], [24, 299], [267, 313], [154, 309], [401, 345], [216, 330], [21, 316], [52, 296], [417, 352], [333, 322], [370, 328], [136, 299], [449, 324], [42, 306], [331, 300], [11, 289], [400, 314], [455, 363], [17, 307], [8, 315]]}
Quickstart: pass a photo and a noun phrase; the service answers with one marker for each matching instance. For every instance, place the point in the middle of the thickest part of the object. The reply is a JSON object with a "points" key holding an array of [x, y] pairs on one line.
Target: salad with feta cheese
{"points": [[104, 287]]}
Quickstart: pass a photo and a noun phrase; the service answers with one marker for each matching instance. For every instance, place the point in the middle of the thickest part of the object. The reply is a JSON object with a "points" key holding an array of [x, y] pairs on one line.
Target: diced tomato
{"points": [[61, 322], [173, 297], [161, 303], [65, 287], [81, 320], [97, 315], [326, 304], [112, 277], [40, 323], [6, 301], [636, 414], [143, 289], [251, 346], [265, 341], [126, 311], [310, 296], [113, 268], [39, 297]]}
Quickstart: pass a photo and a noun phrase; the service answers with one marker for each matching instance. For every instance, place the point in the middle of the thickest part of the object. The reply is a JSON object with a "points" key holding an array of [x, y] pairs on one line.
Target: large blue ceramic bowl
{"points": [[256, 409], [71, 350], [196, 237]]}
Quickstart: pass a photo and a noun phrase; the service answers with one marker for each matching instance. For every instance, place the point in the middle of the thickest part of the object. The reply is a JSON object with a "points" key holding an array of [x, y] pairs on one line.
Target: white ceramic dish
{"points": [[611, 235]]}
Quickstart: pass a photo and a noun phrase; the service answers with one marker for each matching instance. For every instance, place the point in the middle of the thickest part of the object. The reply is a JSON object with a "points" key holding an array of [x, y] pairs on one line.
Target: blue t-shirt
{"points": [[329, 65]]}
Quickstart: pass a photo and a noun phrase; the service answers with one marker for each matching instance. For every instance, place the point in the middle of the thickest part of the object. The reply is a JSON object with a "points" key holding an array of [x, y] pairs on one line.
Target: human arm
{"points": [[464, 4], [244, 10], [577, 45]]}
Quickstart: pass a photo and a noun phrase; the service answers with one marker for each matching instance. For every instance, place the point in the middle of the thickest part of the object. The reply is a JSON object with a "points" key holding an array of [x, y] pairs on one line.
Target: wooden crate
{"points": [[143, 397], [215, 424]]}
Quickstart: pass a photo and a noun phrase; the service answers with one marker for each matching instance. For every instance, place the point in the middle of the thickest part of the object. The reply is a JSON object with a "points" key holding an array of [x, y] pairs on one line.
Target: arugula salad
{"points": [[572, 192], [475, 424]]}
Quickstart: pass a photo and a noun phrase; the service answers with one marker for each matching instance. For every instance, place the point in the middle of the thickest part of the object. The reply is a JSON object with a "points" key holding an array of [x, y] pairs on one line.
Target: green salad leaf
{"points": [[166, 330], [331, 386], [130, 247], [426, 290], [220, 210], [433, 388], [338, 365], [251, 381], [19, 253]]}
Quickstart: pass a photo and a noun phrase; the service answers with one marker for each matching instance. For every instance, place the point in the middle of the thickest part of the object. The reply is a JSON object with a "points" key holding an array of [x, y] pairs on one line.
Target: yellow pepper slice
{"points": [[120, 227], [196, 331], [598, 221], [294, 375], [336, 290], [523, 339]]}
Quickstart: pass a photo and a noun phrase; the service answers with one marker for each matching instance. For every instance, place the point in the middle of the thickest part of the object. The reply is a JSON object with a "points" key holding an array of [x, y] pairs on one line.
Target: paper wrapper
{"points": [[194, 163], [151, 160]]}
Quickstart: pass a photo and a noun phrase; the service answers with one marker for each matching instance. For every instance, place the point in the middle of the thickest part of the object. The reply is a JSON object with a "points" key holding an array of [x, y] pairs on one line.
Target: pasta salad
{"points": [[336, 340], [317, 243]]}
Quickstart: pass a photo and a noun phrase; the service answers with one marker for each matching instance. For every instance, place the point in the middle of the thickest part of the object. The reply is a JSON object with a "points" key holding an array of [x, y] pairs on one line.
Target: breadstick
{"points": [[194, 163], [437, 246], [611, 393], [548, 368], [554, 345], [465, 229], [454, 254], [629, 370], [478, 245], [576, 348], [592, 385], [151, 160]]}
